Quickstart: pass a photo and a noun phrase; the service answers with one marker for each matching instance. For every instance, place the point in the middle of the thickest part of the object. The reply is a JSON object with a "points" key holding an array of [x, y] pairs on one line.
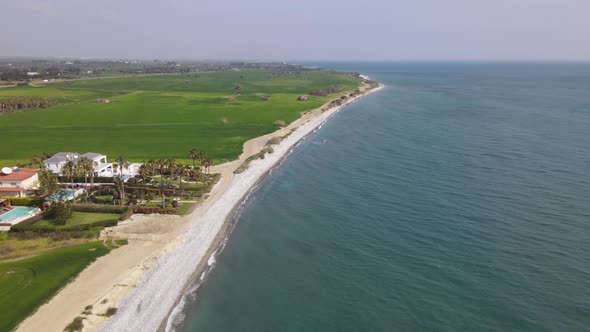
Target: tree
{"points": [[60, 212], [184, 171], [85, 166], [122, 163], [94, 165], [172, 168], [69, 170], [195, 154], [161, 165], [146, 169], [48, 183], [120, 188], [207, 163]]}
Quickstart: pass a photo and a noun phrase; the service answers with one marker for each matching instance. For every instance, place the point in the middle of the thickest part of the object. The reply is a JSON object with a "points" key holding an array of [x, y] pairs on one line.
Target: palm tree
{"points": [[161, 165], [122, 163], [85, 166], [195, 173], [69, 169], [145, 170], [195, 154], [94, 166], [207, 163], [184, 170]]}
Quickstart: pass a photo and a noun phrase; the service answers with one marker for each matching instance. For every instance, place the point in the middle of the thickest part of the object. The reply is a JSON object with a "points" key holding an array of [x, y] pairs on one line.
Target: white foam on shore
{"points": [[147, 306]]}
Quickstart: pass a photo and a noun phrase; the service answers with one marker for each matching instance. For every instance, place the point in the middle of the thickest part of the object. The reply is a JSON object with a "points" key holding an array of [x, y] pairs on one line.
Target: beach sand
{"points": [[145, 279]]}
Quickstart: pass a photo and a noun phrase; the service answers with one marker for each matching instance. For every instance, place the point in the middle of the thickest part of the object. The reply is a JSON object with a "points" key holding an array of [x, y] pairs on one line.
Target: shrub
{"points": [[25, 201], [110, 312], [128, 213], [60, 213], [5, 249], [121, 242], [273, 141], [76, 325]]}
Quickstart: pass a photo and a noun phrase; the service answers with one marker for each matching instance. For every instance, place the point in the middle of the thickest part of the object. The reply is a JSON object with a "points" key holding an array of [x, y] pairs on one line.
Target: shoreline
{"points": [[172, 265]]}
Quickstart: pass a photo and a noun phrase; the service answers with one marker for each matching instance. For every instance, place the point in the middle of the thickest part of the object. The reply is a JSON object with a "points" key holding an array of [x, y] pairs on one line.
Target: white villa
{"points": [[18, 182], [102, 168]]}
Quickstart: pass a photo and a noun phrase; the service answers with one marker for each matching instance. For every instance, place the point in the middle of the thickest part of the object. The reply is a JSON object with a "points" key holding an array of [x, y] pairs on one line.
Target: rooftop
{"points": [[18, 174], [93, 155], [61, 157]]}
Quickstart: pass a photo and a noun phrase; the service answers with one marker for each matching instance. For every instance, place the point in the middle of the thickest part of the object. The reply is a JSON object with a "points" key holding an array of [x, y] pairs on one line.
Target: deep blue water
{"points": [[457, 199]]}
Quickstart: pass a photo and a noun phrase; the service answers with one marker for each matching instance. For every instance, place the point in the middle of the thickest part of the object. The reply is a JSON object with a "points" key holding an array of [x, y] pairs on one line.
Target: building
{"points": [[101, 166], [18, 182], [57, 161]]}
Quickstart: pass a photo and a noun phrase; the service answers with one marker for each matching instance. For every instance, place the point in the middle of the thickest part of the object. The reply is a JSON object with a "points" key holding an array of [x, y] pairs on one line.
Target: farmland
{"points": [[163, 116]]}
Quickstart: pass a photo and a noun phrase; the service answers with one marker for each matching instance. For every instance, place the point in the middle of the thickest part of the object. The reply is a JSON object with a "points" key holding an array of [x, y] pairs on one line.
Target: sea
{"points": [[455, 199]]}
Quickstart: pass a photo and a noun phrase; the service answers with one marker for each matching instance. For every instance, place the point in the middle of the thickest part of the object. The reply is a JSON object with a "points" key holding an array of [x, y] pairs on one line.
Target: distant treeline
{"points": [[325, 92], [21, 73], [18, 103]]}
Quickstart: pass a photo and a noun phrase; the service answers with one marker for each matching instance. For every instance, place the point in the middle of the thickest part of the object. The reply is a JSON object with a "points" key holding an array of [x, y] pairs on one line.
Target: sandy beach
{"points": [[145, 279]]}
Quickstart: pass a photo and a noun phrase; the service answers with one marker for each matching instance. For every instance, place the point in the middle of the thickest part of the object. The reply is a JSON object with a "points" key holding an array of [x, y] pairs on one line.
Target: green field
{"points": [[160, 117], [28, 283], [80, 218]]}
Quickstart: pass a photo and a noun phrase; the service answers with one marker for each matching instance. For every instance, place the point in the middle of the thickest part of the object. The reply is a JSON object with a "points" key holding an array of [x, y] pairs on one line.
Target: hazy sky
{"points": [[299, 30]]}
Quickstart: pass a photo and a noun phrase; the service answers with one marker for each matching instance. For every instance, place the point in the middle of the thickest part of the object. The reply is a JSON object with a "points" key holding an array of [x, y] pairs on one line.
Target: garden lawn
{"points": [[28, 283], [80, 218], [162, 117]]}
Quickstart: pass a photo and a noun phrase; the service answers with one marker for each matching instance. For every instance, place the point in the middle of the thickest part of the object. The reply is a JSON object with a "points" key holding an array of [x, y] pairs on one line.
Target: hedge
{"points": [[99, 208], [65, 179], [24, 201], [49, 229], [28, 222], [154, 209]]}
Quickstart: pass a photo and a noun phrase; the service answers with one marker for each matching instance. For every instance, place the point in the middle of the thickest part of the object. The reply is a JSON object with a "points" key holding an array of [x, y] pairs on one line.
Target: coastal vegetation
{"points": [[163, 116]]}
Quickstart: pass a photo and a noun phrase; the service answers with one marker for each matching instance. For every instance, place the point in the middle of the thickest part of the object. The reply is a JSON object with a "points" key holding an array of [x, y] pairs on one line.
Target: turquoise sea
{"points": [[456, 199]]}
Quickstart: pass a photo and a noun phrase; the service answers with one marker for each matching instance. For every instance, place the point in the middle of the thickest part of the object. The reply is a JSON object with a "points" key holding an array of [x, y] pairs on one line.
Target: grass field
{"points": [[28, 283], [79, 218], [12, 247], [160, 117]]}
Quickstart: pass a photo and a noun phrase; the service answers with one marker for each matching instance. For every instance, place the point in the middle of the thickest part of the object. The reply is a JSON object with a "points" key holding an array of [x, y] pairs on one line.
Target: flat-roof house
{"points": [[101, 166], [18, 182], [56, 162]]}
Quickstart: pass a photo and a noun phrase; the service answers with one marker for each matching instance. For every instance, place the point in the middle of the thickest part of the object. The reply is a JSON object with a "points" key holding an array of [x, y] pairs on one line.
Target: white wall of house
{"points": [[54, 167], [30, 183]]}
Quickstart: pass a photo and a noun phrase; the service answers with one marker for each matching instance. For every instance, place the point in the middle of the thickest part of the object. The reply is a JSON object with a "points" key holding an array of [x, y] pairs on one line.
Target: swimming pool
{"points": [[16, 214], [63, 195]]}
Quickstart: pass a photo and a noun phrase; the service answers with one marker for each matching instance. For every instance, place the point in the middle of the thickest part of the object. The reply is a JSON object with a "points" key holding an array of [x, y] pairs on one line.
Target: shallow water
{"points": [[458, 198]]}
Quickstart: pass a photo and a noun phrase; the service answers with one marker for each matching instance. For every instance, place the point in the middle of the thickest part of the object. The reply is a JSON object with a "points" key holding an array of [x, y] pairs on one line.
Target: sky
{"points": [[372, 30]]}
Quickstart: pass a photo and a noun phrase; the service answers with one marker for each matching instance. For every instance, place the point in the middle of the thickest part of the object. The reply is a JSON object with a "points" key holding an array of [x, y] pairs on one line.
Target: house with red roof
{"points": [[18, 182]]}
